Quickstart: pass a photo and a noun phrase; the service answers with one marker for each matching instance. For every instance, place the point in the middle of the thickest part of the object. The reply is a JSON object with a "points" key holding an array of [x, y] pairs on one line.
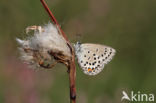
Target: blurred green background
{"points": [[129, 26]]}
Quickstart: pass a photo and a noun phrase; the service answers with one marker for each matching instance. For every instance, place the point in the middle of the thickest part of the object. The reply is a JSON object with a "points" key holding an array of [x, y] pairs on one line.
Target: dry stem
{"points": [[71, 62]]}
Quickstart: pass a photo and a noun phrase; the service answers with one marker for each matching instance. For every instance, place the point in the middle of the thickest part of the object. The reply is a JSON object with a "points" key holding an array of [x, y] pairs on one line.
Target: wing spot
{"points": [[81, 61], [88, 51], [84, 55], [89, 70], [98, 61], [93, 54], [94, 58]]}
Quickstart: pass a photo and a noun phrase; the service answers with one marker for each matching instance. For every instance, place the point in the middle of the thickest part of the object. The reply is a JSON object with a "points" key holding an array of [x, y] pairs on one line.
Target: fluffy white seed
{"points": [[37, 46]]}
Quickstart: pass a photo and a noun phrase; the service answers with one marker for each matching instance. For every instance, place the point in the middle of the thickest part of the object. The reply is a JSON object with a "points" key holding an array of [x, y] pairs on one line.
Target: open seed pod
{"points": [[45, 48]]}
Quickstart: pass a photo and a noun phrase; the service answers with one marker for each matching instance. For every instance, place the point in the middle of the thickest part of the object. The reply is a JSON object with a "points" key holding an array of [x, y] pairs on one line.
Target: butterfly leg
{"points": [[35, 28]]}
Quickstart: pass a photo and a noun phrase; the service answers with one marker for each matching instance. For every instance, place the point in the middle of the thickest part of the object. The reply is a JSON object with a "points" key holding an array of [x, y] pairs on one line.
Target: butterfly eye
{"points": [[78, 43]]}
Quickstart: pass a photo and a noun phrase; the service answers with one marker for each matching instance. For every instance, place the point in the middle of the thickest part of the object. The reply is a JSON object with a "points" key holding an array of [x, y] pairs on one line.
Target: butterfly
{"points": [[93, 57]]}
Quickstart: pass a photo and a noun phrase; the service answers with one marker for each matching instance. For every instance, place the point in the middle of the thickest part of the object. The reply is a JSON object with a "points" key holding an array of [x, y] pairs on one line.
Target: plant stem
{"points": [[71, 66], [72, 77], [53, 18]]}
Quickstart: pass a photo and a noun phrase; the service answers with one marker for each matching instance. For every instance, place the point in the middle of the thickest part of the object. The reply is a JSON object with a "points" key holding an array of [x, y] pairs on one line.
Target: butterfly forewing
{"points": [[93, 57]]}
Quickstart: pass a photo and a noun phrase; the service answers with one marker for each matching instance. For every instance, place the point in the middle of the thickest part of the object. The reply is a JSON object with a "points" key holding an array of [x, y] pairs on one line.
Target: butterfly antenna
{"points": [[53, 18], [78, 38]]}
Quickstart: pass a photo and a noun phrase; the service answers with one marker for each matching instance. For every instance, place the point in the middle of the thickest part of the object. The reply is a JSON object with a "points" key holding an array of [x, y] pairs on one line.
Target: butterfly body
{"points": [[93, 57]]}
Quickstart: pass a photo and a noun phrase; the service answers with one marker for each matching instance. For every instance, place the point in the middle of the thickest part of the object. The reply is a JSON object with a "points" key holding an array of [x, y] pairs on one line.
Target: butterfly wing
{"points": [[93, 57]]}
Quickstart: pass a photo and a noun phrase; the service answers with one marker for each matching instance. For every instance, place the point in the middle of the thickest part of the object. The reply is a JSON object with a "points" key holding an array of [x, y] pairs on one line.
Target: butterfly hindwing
{"points": [[93, 57]]}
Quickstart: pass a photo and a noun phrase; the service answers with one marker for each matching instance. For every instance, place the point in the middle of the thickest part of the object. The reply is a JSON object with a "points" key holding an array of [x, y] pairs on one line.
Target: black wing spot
{"points": [[93, 54], [98, 61], [98, 57], [86, 62], [110, 53], [103, 59], [81, 61], [89, 63], [102, 55], [88, 51], [94, 58], [93, 63], [84, 55]]}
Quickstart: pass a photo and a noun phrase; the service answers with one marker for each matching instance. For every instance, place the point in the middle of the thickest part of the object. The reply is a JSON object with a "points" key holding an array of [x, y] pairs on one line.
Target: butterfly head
{"points": [[77, 47]]}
